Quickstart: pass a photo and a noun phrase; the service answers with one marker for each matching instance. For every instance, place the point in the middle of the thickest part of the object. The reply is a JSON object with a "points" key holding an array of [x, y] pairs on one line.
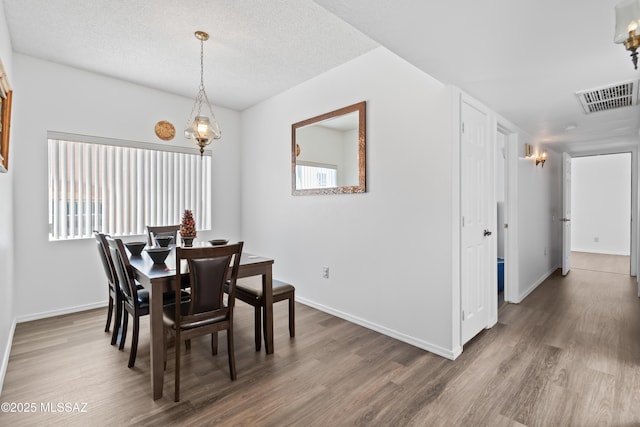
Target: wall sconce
{"points": [[539, 158], [627, 21]]}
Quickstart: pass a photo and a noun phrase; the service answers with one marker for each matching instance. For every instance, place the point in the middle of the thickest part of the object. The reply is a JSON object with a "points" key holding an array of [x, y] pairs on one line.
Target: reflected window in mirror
{"points": [[328, 152]]}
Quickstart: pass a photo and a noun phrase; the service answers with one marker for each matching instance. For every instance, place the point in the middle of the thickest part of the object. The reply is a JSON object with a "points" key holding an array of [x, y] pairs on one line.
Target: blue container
{"points": [[500, 274]]}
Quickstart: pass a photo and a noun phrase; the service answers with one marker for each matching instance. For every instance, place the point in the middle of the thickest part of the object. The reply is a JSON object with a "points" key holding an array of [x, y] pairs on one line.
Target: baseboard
{"points": [[595, 251], [432, 348], [5, 357], [52, 313], [533, 287]]}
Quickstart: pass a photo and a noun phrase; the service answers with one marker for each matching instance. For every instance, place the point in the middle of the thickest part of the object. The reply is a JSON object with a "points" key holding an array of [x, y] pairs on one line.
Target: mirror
{"points": [[328, 152]]}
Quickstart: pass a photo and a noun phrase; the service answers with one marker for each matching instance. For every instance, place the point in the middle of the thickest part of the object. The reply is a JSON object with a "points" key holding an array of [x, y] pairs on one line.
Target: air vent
{"points": [[609, 97]]}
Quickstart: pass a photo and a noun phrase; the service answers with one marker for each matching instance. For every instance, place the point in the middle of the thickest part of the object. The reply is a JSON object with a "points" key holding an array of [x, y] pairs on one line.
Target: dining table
{"points": [[159, 278]]}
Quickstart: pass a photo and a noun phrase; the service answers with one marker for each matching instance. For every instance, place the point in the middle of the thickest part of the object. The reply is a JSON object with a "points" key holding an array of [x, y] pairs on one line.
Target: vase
{"points": [[187, 242]]}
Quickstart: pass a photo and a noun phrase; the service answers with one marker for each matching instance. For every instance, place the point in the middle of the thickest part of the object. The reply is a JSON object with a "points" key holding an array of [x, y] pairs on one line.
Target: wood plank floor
{"points": [[569, 355], [600, 262]]}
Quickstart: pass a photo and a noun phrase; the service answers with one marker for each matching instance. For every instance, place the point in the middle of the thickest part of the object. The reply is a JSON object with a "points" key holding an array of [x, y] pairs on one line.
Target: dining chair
{"points": [[164, 230], [135, 300], [249, 290], [115, 299], [206, 312]]}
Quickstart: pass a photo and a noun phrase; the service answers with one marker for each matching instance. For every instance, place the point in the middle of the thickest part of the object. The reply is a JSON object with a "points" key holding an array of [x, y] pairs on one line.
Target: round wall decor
{"points": [[165, 130]]}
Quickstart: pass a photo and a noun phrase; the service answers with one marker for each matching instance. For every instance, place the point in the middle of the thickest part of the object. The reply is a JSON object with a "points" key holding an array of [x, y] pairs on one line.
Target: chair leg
{"points": [[257, 314], [134, 341], [231, 352], [106, 327], [123, 335], [214, 343], [177, 369], [292, 316], [117, 322], [164, 348]]}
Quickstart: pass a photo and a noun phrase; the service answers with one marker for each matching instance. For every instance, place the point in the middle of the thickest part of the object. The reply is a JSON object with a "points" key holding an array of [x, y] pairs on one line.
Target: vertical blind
{"points": [[316, 176], [119, 190]]}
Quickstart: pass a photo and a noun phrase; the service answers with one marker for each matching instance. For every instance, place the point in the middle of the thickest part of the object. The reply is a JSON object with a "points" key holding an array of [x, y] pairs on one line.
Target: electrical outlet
{"points": [[325, 272]]}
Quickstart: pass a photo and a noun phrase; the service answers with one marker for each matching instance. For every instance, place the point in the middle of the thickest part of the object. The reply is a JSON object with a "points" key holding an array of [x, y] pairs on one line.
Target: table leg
{"points": [[157, 339], [267, 320]]}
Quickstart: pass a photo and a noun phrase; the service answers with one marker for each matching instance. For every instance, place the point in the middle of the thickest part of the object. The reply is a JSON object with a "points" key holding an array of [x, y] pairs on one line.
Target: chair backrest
{"points": [[209, 269], [124, 271], [107, 261], [164, 230]]}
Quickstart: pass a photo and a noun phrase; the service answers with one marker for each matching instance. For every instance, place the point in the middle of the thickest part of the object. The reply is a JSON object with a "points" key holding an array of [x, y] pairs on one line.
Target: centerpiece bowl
{"points": [[135, 248], [158, 255], [218, 242], [163, 241]]}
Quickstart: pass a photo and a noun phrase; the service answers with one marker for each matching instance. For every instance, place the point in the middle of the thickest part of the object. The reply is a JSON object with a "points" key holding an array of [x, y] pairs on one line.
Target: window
{"points": [[316, 175], [120, 187]]}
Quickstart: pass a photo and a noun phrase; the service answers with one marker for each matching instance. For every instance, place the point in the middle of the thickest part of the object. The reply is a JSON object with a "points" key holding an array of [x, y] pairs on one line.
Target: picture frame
{"points": [[6, 98]]}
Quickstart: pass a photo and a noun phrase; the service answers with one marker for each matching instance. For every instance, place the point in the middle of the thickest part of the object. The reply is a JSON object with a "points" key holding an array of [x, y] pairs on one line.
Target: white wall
{"points": [[539, 213], [57, 277], [6, 221], [601, 204], [389, 249]]}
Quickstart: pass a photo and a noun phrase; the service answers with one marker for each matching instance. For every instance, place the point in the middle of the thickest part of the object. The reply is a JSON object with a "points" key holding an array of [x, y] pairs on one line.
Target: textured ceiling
{"points": [[257, 48], [525, 60]]}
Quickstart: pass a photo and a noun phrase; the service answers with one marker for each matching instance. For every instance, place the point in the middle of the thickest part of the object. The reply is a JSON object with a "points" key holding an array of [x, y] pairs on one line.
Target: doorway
{"points": [[500, 168], [601, 200]]}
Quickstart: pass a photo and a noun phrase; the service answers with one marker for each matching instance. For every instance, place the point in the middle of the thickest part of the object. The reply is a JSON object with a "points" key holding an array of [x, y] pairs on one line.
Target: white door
{"points": [[476, 262], [566, 213]]}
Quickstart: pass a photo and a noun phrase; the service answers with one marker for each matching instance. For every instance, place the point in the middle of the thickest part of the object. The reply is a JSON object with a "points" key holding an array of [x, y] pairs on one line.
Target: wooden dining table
{"points": [[158, 279]]}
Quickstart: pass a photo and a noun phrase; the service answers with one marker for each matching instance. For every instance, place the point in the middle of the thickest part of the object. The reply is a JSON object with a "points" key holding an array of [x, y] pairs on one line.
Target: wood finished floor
{"points": [[569, 355], [600, 262]]}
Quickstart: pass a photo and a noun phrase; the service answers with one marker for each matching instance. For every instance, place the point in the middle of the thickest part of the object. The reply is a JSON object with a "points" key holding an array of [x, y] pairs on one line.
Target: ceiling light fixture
{"points": [[627, 22], [202, 129]]}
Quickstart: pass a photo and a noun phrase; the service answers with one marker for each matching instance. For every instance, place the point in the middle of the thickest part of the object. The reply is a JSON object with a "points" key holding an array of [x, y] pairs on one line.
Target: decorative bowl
{"points": [[218, 242], [158, 255], [163, 241], [135, 248]]}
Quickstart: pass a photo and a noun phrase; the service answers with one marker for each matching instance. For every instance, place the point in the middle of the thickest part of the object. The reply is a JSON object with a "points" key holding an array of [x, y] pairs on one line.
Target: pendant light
{"points": [[202, 129]]}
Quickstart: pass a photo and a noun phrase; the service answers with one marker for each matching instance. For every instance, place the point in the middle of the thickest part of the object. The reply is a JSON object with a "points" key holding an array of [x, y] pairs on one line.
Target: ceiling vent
{"points": [[609, 97]]}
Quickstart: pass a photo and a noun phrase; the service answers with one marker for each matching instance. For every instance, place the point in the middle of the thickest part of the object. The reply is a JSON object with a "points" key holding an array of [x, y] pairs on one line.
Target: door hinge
{"points": [[462, 127], [462, 314], [463, 221], [506, 226]]}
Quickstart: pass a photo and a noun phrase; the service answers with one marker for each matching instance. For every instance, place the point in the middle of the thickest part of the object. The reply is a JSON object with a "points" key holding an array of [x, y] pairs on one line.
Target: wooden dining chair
{"points": [[135, 300], [115, 298], [164, 230], [249, 290], [206, 312]]}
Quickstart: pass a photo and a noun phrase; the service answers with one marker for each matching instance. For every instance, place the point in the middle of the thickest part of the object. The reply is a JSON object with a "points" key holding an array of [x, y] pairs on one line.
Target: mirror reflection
{"points": [[328, 152]]}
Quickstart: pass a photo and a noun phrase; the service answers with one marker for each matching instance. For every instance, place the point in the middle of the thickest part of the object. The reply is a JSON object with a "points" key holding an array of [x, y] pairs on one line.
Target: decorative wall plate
{"points": [[165, 130]]}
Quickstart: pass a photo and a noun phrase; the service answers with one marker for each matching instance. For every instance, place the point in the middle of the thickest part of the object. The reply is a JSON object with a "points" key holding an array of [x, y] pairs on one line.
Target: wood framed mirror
{"points": [[5, 119], [328, 152]]}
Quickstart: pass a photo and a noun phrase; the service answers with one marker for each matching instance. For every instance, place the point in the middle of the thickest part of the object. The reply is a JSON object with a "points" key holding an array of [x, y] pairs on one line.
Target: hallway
{"points": [[579, 337]]}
